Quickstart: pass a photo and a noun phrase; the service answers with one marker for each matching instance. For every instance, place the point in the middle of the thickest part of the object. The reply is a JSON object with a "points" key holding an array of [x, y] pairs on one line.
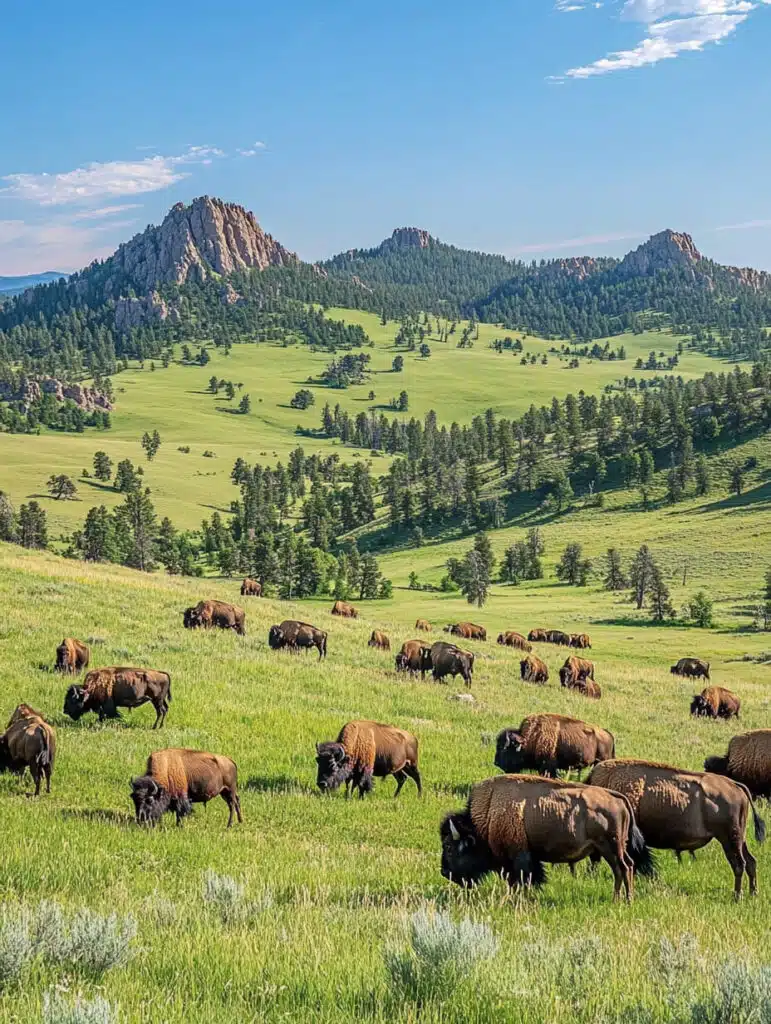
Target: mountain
{"points": [[14, 285]]}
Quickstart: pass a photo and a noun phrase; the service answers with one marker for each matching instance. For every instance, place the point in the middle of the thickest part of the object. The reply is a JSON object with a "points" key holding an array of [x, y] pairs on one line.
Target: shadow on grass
{"points": [[629, 620], [105, 817], [741, 502], [231, 412], [98, 485], [457, 789], [277, 784]]}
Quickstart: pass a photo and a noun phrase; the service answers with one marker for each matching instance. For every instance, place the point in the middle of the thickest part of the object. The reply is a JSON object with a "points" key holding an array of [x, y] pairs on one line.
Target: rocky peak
{"points": [[408, 238], [661, 252], [194, 241]]}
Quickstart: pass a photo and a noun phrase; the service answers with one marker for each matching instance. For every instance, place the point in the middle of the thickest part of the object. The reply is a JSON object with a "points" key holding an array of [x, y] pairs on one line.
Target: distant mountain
{"points": [[14, 285]]}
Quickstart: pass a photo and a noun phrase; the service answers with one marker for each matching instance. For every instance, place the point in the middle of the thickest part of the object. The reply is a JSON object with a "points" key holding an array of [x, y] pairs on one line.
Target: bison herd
{"points": [[513, 824]]}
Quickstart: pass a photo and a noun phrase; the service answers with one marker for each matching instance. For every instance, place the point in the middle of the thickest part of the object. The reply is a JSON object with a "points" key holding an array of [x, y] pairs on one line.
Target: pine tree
{"points": [[245, 405], [702, 476], [640, 574], [137, 518], [61, 486], [572, 567], [126, 477], [370, 575], [7, 518], [97, 541], [658, 597], [102, 466], [475, 578], [32, 528], [614, 577]]}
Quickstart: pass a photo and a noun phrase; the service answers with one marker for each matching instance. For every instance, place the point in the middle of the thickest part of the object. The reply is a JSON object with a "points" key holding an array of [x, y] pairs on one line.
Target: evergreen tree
{"points": [[61, 486], [700, 610], [7, 518], [475, 583], [737, 474], [398, 364], [703, 476], [32, 529], [640, 574], [614, 576], [97, 541], [151, 444], [102, 466], [658, 596], [245, 405], [572, 567], [136, 520], [126, 477], [370, 575]]}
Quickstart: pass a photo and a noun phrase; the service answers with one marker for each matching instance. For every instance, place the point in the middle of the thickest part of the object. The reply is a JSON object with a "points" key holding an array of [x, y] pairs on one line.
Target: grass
{"points": [[457, 383], [328, 887]]}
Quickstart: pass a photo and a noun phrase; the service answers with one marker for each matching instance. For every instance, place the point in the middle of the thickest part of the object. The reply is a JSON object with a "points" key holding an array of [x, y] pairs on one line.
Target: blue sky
{"points": [[530, 127]]}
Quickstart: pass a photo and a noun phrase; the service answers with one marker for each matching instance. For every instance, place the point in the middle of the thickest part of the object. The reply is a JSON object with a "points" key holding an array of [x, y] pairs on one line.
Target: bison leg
{"points": [[401, 778], [47, 771], [414, 774], [734, 855], [37, 775], [234, 807], [750, 866]]}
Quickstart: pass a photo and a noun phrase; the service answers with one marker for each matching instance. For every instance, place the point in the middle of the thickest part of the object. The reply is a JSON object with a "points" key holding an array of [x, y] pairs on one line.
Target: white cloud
{"points": [[574, 243], [746, 225], [104, 211], [672, 27], [253, 150]]}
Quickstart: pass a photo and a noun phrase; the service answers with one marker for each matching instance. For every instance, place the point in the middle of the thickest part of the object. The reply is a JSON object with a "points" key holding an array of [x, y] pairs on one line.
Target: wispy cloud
{"points": [[253, 150], [105, 211], [672, 27], [575, 243], [746, 225]]}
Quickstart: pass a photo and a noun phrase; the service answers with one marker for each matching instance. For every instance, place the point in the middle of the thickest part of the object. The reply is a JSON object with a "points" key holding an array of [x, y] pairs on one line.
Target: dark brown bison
{"points": [[537, 636], [423, 625], [580, 640], [556, 636], [364, 750], [414, 657], [548, 744], [175, 779], [251, 588], [514, 824], [297, 636], [512, 639], [748, 762], [449, 660], [215, 614], [693, 667], [586, 687], [345, 610], [29, 742], [467, 631], [107, 689], [72, 656], [683, 810], [379, 640], [533, 670], [716, 702], [576, 669]]}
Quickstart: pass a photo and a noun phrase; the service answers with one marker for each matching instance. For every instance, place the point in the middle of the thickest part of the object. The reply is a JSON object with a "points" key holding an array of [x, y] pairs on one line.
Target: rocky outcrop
{"points": [[136, 311], [29, 390], [579, 267], [193, 242], [661, 252], [408, 238]]}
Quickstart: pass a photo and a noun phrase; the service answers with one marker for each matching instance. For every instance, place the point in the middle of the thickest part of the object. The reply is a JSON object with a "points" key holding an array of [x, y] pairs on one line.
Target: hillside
{"points": [[14, 285]]}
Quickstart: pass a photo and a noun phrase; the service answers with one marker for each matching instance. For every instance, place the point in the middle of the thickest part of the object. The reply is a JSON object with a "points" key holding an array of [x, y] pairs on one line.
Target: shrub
{"points": [[57, 1009], [86, 941], [228, 897], [742, 995], [699, 610], [16, 948], [440, 955]]}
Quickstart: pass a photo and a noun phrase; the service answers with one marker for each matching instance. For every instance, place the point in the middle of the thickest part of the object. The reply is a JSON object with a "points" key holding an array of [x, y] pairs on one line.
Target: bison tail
{"points": [[760, 825], [527, 870], [639, 851], [716, 765], [168, 692]]}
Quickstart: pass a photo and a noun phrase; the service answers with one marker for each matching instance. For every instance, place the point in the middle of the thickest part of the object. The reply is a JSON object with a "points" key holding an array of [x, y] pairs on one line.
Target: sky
{"points": [[533, 128]]}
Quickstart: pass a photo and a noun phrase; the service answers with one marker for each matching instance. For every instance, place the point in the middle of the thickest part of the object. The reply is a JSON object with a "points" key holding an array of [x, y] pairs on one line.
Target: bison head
{"points": [[334, 766], [75, 702], [426, 664], [401, 662], [566, 676], [465, 858], [150, 800], [190, 618], [501, 638], [699, 706], [509, 752], [276, 638]]}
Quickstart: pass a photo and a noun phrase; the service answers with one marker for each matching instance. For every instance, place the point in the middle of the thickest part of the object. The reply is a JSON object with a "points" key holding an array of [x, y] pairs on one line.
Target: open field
{"points": [[457, 383], [336, 881]]}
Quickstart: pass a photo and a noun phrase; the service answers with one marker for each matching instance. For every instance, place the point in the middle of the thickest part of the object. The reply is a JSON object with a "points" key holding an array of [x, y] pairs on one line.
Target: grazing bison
{"points": [[251, 588], [297, 636], [748, 761], [513, 824], [694, 667], [580, 640], [345, 610], [29, 742], [449, 660], [72, 656], [513, 639], [367, 749], [175, 779], [423, 625], [533, 670], [548, 744], [537, 636], [682, 810], [716, 702], [414, 657], [107, 689], [215, 614], [586, 687], [576, 669], [556, 636], [467, 631], [379, 640]]}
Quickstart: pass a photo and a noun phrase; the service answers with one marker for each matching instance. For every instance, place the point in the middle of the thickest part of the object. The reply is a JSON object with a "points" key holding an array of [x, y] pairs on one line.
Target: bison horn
{"points": [[453, 831]]}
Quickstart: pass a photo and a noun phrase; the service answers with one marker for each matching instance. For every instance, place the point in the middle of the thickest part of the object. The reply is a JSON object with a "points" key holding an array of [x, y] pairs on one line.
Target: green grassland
{"points": [[457, 383], [338, 880]]}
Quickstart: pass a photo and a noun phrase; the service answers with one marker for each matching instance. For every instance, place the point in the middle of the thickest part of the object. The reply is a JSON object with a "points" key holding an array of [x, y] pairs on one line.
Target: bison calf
{"points": [[29, 742], [72, 656], [175, 779], [364, 750], [107, 689]]}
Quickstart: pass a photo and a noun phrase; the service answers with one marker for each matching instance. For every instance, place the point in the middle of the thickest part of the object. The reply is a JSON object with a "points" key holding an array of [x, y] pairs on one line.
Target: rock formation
{"points": [[661, 252], [31, 389], [135, 311], [408, 238]]}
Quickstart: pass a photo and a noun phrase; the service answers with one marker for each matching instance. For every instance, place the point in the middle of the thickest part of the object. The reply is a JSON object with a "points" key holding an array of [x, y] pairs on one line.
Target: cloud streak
{"points": [[575, 243]]}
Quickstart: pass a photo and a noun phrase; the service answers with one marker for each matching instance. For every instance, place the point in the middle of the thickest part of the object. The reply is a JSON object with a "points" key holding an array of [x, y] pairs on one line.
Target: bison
{"points": [[586, 687], [512, 825], [682, 810], [748, 761], [29, 742], [107, 689], [215, 614], [533, 670], [345, 610], [576, 669], [414, 657], [716, 702], [512, 639], [556, 636], [467, 631], [297, 636], [363, 750], [379, 640], [72, 656], [423, 625], [175, 779], [449, 660], [548, 744], [251, 588], [537, 636], [693, 667], [580, 640]]}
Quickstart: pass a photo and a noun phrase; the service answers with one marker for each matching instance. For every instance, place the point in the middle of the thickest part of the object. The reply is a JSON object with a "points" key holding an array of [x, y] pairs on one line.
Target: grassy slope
{"points": [[343, 875], [457, 383]]}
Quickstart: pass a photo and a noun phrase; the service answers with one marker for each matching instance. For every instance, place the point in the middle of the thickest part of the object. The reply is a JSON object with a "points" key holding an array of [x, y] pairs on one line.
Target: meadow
{"points": [[331, 885], [188, 486]]}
